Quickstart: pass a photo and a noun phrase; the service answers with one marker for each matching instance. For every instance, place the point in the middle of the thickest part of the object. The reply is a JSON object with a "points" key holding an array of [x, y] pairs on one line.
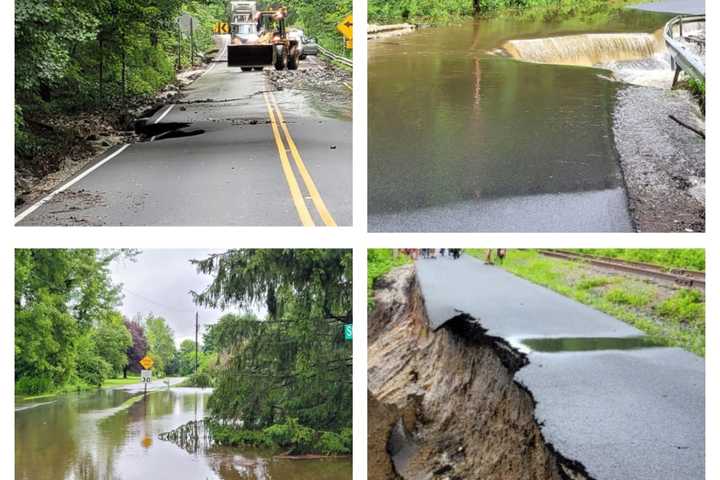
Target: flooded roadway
{"points": [[113, 434], [463, 139]]}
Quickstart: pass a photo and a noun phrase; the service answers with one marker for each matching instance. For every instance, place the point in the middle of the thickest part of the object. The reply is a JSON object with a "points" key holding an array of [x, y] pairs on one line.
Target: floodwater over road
{"points": [[113, 434], [464, 138]]}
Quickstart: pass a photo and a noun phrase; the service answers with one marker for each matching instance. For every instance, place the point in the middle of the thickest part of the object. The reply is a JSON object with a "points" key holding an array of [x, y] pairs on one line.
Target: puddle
{"points": [[584, 344]]}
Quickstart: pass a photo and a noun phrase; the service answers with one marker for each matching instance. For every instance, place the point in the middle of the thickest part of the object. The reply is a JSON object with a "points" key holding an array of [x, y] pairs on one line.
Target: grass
{"points": [[674, 318], [80, 387], [381, 261], [115, 382], [686, 258]]}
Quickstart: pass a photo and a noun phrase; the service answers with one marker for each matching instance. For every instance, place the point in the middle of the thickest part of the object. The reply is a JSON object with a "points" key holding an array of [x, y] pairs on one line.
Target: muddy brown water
{"points": [[455, 124], [110, 434]]}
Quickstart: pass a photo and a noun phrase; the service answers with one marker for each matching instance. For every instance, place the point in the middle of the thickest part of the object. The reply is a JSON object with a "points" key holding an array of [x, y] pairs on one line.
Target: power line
{"points": [[160, 304]]}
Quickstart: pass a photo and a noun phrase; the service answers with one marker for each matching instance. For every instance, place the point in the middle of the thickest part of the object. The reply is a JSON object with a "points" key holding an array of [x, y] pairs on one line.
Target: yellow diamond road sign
{"points": [[346, 27], [147, 363], [221, 27]]}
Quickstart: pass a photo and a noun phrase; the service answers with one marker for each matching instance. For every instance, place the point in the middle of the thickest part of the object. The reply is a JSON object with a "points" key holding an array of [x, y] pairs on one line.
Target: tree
{"points": [[186, 357], [139, 347], [161, 343], [112, 340], [295, 362], [60, 297]]}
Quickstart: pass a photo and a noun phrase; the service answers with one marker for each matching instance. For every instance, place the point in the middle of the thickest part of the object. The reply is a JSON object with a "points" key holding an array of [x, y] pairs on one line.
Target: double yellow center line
{"points": [[278, 124]]}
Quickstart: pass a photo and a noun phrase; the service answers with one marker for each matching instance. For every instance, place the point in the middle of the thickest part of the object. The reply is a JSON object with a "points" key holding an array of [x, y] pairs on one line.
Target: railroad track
{"points": [[686, 278], [334, 56]]}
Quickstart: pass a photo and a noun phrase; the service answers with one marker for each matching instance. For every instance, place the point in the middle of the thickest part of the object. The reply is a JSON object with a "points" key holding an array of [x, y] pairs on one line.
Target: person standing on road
{"points": [[488, 257]]}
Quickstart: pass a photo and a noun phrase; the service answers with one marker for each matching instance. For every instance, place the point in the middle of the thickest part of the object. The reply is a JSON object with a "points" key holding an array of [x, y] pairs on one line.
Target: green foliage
{"points": [[295, 362], [391, 11], [33, 385], [687, 258], [697, 88], [290, 436], [201, 379], [379, 262], [593, 282], [92, 368], [186, 358], [686, 306], [622, 296], [62, 300], [319, 18], [161, 344], [112, 340], [74, 56]]}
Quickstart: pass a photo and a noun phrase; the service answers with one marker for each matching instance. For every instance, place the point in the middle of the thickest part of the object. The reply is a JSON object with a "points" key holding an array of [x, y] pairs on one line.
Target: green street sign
{"points": [[347, 329]]}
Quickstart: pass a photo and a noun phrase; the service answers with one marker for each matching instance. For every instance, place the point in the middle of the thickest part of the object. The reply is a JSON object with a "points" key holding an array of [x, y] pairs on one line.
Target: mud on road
{"points": [[444, 404], [329, 85]]}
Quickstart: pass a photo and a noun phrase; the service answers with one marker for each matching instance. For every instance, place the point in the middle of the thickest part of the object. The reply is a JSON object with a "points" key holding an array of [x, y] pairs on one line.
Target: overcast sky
{"points": [[159, 282]]}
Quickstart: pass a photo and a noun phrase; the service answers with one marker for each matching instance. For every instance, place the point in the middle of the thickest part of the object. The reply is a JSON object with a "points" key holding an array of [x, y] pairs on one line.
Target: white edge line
{"points": [[71, 182], [164, 114], [215, 61]]}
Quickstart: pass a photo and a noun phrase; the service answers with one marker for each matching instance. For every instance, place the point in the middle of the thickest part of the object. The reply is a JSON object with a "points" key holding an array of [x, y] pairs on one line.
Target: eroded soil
{"points": [[443, 404]]}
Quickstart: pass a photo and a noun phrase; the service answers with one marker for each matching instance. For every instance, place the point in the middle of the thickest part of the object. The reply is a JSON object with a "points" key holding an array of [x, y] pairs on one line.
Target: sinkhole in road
{"points": [[445, 403], [584, 344], [165, 130]]}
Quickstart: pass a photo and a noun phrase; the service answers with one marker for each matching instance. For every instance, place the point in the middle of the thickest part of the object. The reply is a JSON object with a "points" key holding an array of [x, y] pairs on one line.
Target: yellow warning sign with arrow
{"points": [[147, 362], [221, 27], [345, 27]]}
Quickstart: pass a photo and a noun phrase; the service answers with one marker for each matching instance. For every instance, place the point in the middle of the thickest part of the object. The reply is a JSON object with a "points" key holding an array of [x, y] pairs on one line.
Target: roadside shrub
{"points": [[33, 385], [201, 379], [593, 282], [331, 443], [686, 306], [291, 436], [621, 296], [232, 436], [91, 367]]}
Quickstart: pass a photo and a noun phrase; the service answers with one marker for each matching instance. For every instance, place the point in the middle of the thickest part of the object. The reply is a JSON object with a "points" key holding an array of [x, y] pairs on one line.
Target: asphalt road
{"points": [[230, 152], [637, 413]]}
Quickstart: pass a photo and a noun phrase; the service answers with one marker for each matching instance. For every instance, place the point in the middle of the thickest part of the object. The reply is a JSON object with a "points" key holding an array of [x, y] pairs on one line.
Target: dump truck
{"points": [[270, 43]]}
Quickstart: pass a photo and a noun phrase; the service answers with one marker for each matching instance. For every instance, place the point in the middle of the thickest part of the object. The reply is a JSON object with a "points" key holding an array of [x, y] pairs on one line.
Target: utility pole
{"points": [[196, 342]]}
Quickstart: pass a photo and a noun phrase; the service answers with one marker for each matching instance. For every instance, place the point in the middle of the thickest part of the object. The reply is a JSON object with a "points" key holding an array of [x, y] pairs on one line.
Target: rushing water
{"points": [[113, 434], [464, 137]]}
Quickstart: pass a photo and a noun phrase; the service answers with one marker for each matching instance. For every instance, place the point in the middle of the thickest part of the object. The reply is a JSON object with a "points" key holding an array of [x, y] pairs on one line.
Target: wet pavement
{"points": [[463, 138], [620, 408], [114, 434], [214, 161]]}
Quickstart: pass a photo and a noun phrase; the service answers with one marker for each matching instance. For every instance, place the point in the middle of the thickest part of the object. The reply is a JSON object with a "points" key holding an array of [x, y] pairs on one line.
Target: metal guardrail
{"points": [[335, 56], [681, 56]]}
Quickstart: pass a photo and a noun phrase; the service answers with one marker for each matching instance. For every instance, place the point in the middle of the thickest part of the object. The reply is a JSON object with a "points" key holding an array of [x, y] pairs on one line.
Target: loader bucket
{"points": [[249, 55]]}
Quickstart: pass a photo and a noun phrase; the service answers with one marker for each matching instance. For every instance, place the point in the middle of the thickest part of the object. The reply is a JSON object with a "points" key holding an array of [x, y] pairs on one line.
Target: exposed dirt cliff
{"points": [[443, 404]]}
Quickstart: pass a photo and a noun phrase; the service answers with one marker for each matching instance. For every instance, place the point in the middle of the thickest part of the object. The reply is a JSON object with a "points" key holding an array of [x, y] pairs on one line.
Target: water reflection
{"points": [[449, 121], [586, 344], [114, 434]]}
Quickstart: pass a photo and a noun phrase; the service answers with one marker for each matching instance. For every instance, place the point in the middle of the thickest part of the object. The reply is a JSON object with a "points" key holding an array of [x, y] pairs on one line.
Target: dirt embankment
{"points": [[443, 404]]}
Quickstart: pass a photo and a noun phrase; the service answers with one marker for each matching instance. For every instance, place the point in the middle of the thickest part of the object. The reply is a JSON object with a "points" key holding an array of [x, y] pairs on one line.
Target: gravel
{"points": [[662, 161]]}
